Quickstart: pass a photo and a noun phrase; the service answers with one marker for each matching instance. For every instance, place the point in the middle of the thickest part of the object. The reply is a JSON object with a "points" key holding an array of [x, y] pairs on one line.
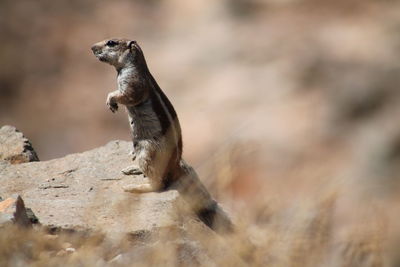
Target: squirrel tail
{"points": [[216, 218], [200, 201]]}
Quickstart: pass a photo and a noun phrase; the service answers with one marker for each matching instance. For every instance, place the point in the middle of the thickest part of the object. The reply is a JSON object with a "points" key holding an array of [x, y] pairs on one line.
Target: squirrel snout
{"points": [[96, 48]]}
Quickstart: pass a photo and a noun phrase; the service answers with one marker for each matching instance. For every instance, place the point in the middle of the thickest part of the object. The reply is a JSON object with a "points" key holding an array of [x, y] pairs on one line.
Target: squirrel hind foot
{"points": [[139, 188]]}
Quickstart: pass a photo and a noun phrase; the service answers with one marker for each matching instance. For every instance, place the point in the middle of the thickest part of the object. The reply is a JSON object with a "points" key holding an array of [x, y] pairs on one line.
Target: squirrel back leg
{"points": [[153, 163]]}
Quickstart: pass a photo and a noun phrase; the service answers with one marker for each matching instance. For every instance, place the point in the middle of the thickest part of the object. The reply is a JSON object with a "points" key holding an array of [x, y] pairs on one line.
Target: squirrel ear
{"points": [[131, 43]]}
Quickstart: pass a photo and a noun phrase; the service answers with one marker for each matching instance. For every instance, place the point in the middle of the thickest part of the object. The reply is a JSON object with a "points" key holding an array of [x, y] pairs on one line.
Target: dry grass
{"points": [[274, 232]]}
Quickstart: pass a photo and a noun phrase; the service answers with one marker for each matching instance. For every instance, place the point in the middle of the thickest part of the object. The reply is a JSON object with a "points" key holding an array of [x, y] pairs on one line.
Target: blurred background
{"points": [[289, 107]]}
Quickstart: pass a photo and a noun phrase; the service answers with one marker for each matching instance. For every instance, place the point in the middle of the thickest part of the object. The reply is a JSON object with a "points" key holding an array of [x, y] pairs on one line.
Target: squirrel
{"points": [[156, 132]]}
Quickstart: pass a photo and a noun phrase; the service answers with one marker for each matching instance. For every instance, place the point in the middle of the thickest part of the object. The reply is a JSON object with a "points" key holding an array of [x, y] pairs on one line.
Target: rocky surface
{"points": [[12, 210], [84, 191], [81, 195], [15, 147]]}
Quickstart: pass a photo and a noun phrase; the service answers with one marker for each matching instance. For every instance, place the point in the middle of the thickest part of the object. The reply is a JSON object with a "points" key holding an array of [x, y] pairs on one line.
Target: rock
{"points": [[84, 191], [31, 216], [15, 147], [12, 210]]}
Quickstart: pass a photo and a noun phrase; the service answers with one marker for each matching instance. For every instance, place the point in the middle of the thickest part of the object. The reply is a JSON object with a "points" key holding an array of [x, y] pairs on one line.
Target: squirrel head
{"points": [[119, 52]]}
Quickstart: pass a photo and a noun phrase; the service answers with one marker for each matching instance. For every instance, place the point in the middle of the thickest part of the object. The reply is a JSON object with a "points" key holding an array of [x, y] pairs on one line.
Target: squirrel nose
{"points": [[95, 48]]}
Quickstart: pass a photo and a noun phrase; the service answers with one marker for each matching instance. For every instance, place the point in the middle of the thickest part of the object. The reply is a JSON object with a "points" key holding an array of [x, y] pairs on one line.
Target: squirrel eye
{"points": [[111, 43]]}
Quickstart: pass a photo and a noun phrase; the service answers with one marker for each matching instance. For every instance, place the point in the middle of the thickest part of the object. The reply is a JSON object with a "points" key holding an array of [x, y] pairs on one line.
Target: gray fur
{"points": [[144, 121]]}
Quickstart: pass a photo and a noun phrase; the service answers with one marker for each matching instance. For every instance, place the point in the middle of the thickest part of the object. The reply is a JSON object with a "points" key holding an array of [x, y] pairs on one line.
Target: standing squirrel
{"points": [[156, 132]]}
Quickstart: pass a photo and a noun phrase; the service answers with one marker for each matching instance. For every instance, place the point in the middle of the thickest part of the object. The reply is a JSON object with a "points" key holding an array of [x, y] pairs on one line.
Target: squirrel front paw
{"points": [[112, 105]]}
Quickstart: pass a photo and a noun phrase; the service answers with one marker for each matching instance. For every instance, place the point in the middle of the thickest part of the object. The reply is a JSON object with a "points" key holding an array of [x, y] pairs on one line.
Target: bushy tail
{"points": [[200, 201]]}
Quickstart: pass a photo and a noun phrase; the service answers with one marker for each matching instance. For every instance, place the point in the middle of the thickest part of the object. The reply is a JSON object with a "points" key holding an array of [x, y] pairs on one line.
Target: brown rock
{"points": [[12, 210], [15, 147], [84, 191], [91, 195]]}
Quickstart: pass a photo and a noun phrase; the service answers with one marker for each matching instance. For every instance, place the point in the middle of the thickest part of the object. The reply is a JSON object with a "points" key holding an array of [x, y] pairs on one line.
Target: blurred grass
{"points": [[305, 236]]}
